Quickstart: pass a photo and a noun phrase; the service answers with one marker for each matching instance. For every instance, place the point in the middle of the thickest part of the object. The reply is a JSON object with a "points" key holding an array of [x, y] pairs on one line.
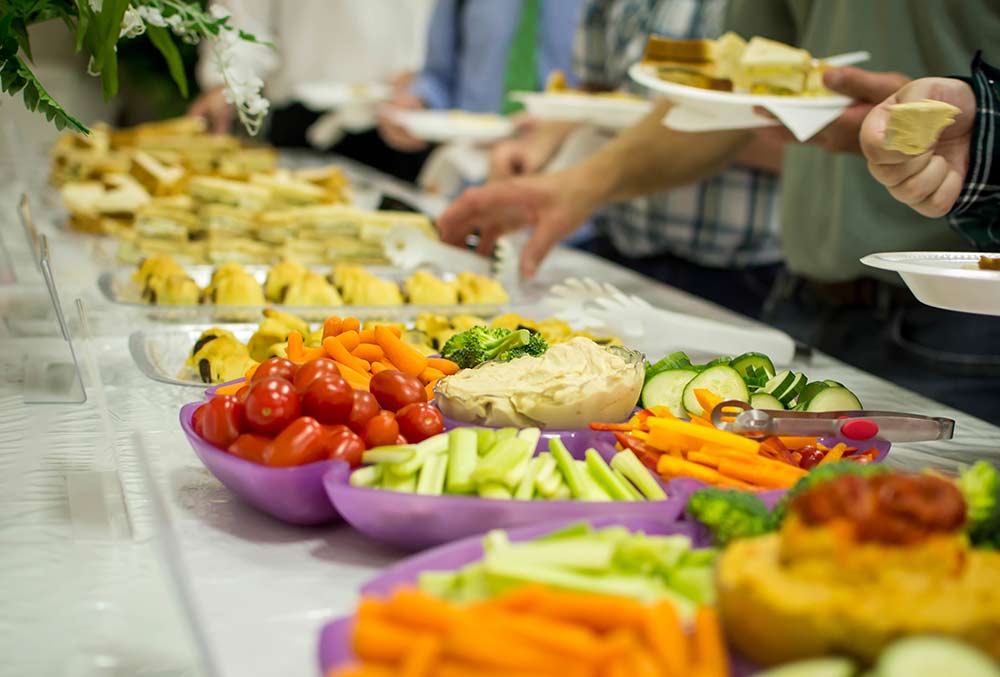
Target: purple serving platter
{"points": [[335, 637], [211, 390], [413, 521], [294, 495]]}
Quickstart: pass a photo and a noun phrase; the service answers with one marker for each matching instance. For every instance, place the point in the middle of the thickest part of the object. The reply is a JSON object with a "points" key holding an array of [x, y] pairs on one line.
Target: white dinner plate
{"points": [[603, 111], [949, 280], [334, 95], [446, 126]]}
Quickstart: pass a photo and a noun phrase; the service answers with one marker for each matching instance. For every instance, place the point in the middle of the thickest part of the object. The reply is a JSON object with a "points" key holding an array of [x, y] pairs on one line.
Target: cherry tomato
{"points": [[223, 420], [329, 399], [242, 393], [346, 446], [811, 456], [400, 440], [271, 405], [381, 430], [198, 420], [334, 429], [394, 389], [364, 408], [275, 366], [417, 422], [312, 370], [302, 441], [250, 447]]}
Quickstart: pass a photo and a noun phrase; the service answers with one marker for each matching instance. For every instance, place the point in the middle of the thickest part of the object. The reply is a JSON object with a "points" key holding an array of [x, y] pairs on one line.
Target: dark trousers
{"points": [[288, 130], [950, 357]]}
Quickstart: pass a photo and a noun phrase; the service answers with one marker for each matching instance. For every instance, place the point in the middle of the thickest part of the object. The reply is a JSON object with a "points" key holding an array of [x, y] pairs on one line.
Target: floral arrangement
{"points": [[98, 25]]}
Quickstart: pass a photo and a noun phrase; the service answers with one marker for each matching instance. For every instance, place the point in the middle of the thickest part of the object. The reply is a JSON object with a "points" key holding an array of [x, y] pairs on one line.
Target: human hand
{"points": [[392, 131], [931, 182], [527, 153], [211, 105], [555, 204], [867, 88]]}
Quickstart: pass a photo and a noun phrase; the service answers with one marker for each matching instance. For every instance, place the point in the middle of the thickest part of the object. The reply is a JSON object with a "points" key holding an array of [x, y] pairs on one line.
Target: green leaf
{"points": [[161, 39], [15, 76], [109, 23], [31, 98], [20, 32]]}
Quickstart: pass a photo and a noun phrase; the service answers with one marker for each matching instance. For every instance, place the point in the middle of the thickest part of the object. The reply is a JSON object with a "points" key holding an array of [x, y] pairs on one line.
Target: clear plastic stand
{"points": [[30, 230], [48, 379], [8, 274]]}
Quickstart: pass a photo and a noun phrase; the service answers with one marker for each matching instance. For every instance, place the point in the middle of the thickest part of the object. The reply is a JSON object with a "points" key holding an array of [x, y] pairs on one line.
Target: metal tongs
{"points": [[738, 417]]}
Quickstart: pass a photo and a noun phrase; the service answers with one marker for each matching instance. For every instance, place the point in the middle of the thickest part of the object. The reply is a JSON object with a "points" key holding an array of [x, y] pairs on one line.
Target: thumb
{"points": [[866, 86], [544, 237]]}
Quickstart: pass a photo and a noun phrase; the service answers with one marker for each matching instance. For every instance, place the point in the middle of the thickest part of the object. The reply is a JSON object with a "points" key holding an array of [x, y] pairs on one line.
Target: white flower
{"points": [[132, 25], [96, 5], [152, 15], [176, 23], [218, 11]]}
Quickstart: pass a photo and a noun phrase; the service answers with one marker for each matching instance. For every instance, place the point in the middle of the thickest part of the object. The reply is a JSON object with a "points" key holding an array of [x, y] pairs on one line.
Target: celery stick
{"points": [[506, 434], [583, 553], [575, 530], [368, 476], [432, 446], [643, 588], [547, 468], [485, 439], [462, 460], [601, 473], [562, 493], [493, 490], [526, 488], [531, 435], [630, 466], [629, 487], [495, 540], [592, 490], [504, 463], [399, 454], [567, 466], [431, 480], [393, 482]]}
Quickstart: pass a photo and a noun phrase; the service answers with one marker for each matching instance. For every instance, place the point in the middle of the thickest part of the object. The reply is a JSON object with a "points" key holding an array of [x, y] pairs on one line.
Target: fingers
{"points": [[868, 86], [497, 207], [923, 183], [872, 139], [943, 199], [544, 237], [892, 175]]}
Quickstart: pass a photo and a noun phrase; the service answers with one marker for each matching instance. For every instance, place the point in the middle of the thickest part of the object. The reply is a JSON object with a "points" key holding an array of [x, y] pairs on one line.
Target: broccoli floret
{"points": [[980, 485], [730, 515], [481, 344], [536, 344], [824, 473]]}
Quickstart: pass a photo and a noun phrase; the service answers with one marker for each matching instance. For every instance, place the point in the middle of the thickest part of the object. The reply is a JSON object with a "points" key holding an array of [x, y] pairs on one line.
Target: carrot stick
{"points": [[421, 659], [351, 324], [663, 632], [248, 376], [332, 326], [722, 452], [720, 437], [446, 367], [352, 375], [388, 365], [368, 351], [310, 354], [395, 330], [551, 635], [364, 670], [367, 336], [834, 454], [622, 427], [335, 349], [230, 389], [406, 358], [520, 598], [598, 612], [707, 399], [671, 466], [709, 651], [412, 607], [349, 339], [429, 389], [295, 347], [703, 458], [644, 664], [794, 443], [379, 640], [430, 374], [378, 368], [499, 650], [761, 476], [450, 668]]}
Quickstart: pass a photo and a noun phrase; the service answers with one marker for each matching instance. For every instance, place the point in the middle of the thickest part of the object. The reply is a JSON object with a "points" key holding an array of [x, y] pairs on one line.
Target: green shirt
{"points": [[833, 212]]}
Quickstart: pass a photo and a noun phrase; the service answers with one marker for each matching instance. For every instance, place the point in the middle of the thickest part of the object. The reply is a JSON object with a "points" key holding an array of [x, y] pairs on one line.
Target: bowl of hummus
{"points": [[571, 385]]}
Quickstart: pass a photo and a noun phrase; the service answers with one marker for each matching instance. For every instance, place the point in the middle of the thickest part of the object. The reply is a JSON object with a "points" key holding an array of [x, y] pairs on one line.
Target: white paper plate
{"points": [[444, 126], [334, 95], [949, 280], [603, 111]]}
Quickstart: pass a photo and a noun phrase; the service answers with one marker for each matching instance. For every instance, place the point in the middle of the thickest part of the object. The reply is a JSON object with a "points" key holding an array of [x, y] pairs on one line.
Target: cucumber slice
{"points": [[834, 384], [720, 361], [724, 381], [932, 656], [744, 362], [814, 667], [785, 386], [676, 360], [666, 389], [834, 399], [810, 391], [766, 401]]}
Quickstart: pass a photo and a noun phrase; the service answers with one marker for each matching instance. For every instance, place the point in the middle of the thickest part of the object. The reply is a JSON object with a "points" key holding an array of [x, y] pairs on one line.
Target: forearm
{"points": [[764, 152], [649, 158]]}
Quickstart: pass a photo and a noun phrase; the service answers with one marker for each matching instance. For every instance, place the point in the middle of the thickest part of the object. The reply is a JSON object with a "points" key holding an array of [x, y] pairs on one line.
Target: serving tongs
{"points": [[738, 417]]}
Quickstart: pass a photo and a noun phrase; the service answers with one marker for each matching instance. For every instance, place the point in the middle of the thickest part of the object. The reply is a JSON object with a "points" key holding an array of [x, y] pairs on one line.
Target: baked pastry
{"points": [[427, 289], [221, 359], [311, 289], [172, 290], [159, 266], [474, 288], [237, 289], [280, 277], [359, 287]]}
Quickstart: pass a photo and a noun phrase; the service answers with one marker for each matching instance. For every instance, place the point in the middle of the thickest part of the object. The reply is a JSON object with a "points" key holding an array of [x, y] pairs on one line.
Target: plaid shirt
{"points": [[976, 214], [730, 220]]}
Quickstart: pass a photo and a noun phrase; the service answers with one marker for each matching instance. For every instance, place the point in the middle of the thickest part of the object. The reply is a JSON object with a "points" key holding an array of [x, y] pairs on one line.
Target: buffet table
{"points": [[190, 581]]}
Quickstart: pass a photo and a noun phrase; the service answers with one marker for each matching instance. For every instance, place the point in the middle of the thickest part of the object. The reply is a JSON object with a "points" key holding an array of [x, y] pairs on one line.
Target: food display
{"points": [[915, 126], [556, 84], [568, 386], [730, 63], [989, 263], [290, 283]]}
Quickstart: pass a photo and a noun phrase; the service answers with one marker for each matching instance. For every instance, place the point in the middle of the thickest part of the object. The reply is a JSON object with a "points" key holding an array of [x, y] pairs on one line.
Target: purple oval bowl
{"points": [[294, 495], [413, 521], [335, 637], [211, 390]]}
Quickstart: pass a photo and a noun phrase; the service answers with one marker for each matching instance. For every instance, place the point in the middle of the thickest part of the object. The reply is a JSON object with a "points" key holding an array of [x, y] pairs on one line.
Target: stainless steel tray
{"points": [[118, 288]]}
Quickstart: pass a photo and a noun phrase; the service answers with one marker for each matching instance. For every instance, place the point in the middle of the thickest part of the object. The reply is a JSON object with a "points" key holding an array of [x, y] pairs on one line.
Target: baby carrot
{"points": [[250, 372], [712, 435], [310, 354], [671, 466], [379, 640], [663, 632], [363, 670], [552, 635], [421, 611], [446, 367], [404, 357], [230, 389], [430, 374], [352, 375], [332, 326], [367, 336], [709, 652], [349, 339], [378, 368], [593, 611], [759, 475], [421, 658], [295, 347], [351, 324], [429, 389], [336, 350], [368, 351]]}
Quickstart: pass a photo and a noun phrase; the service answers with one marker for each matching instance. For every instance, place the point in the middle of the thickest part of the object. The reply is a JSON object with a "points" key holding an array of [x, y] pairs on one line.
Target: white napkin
{"points": [[452, 166], [803, 122]]}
